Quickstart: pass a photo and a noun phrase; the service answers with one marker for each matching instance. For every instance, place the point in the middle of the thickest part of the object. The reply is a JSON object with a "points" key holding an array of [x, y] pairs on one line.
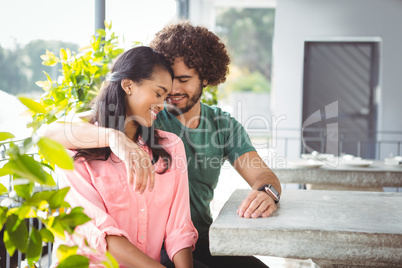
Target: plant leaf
{"points": [[108, 48], [32, 105], [117, 52], [75, 217], [85, 48], [8, 244], [47, 235], [82, 80], [3, 189], [55, 226], [47, 165], [34, 248], [39, 197], [110, 261], [64, 251], [49, 59], [3, 215], [55, 153], [101, 32], [24, 190], [18, 232], [26, 167], [6, 135], [25, 211], [49, 79], [5, 171], [42, 84], [48, 102], [74, 261], [57, 198], [108, 26], [63, 54]]}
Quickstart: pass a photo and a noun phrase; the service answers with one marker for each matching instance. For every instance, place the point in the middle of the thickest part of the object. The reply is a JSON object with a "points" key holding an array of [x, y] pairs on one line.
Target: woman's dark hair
{"points": [[136, 64]]}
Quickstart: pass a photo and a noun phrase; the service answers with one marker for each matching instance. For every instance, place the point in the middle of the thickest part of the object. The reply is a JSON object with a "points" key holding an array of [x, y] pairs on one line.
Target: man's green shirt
{"points": [[217, 138]]}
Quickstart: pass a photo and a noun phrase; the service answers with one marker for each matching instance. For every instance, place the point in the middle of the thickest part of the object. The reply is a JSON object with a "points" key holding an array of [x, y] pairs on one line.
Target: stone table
{"points": [[338, 177], [330, 227]]}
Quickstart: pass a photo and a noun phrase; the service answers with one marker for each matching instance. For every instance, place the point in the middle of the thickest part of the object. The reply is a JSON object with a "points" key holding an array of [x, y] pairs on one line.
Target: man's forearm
{"points": [[74, 135], [267, 177], [253, 169]]}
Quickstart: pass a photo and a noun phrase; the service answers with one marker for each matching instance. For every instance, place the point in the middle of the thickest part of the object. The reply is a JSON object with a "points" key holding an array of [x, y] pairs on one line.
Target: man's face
{"points": [[187, 88]]}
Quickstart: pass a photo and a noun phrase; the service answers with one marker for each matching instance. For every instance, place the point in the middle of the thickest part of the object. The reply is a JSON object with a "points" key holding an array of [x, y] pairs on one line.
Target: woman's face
{"points": [[147, 98]]}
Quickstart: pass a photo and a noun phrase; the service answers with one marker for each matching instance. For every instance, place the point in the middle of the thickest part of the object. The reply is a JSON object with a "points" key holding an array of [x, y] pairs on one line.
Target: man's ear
{"points": [[126, 84], [204, 83]]}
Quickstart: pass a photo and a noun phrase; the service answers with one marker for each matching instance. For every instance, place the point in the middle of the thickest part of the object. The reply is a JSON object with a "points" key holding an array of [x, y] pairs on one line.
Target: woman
{"points": [[130, 224]]}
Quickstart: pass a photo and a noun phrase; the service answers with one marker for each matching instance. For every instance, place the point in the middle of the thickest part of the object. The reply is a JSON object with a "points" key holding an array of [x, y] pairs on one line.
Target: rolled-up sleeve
{"points": [[180, 231], [82, 193]]}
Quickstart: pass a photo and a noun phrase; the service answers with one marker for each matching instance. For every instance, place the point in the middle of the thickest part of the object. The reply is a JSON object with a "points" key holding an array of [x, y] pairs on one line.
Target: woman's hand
{"points": [[136, 159]]}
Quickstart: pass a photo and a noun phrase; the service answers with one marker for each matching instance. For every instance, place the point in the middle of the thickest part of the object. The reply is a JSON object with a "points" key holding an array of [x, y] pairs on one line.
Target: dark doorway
{"points": [[345, 74]]}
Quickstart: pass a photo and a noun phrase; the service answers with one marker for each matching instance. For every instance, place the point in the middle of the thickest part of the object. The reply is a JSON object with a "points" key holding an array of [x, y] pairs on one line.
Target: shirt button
{"points": [[142, 210], [142, 237]]}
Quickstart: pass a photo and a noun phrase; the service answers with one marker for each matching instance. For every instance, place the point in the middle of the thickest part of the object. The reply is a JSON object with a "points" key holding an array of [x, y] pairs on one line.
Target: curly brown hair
{"points": [[200, 49]]}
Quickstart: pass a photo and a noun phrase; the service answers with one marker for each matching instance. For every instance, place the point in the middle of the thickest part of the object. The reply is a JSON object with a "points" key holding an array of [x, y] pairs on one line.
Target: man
{"points": [[210, 136]]}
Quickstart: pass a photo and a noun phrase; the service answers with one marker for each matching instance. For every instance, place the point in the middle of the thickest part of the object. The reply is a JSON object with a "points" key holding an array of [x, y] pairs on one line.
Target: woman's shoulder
{"points": [[168, 135], [170, 140], [98, 168]]}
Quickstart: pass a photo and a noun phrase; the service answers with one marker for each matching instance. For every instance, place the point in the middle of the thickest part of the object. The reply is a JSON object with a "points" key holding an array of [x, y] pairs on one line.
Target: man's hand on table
{"points": [[257, 204]]}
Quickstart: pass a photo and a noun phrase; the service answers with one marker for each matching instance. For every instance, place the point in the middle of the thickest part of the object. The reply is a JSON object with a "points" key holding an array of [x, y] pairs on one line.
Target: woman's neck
{"points": [[131, 129]]}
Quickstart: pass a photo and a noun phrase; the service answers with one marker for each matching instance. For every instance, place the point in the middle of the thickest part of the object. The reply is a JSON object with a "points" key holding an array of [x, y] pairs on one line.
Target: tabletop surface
{"points": [[315, 224], [371, 212]]}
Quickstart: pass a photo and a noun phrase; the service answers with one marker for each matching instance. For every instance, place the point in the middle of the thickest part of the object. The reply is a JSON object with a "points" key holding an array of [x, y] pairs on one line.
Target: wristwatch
{"points": [[271, 191]]}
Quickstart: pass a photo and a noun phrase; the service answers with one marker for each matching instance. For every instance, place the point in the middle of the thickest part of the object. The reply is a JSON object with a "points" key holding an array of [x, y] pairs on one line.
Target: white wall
{"points": [[300, 20], [201, 12]]}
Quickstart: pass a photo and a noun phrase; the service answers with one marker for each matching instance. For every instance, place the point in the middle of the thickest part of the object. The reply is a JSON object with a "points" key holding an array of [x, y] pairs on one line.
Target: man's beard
{"points": [[190, 103]]}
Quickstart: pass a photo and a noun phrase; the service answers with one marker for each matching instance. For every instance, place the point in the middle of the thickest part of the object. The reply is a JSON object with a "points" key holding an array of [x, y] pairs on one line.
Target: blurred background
{"points": [[29, 28]]}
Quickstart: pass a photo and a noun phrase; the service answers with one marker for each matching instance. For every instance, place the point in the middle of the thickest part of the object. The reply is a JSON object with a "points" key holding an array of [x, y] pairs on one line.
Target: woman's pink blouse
{"points": [[102, 189]]}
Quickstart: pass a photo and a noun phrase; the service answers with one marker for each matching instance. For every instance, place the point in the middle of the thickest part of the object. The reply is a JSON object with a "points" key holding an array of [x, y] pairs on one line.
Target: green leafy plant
{"points": [[23, 202], [242, 80], [31, 161], [210, 95], [81, 77]]}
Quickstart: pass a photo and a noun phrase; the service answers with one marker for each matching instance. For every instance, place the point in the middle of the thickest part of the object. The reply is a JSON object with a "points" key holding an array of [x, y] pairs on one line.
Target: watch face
{"points": [[272, 190]]}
